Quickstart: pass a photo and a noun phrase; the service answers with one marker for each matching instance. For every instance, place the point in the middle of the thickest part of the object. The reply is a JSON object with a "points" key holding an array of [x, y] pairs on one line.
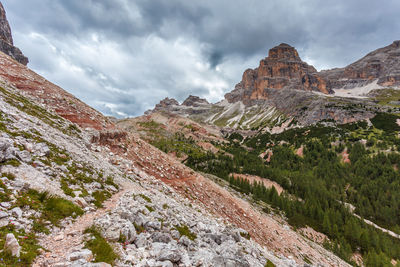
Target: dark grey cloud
{"points": [[123, 56]]}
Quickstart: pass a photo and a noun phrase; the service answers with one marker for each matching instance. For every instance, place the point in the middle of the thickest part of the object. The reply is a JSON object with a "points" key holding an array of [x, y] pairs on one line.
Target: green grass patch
{"points": [[9, 175], [145, 198], [149, 208], [139, 229], [184, 230], [102, 250], [53, 208], [269, 264], [11, 162], [57, 208], [65, 187], [4, 196], [110, 181], [100, 197]]}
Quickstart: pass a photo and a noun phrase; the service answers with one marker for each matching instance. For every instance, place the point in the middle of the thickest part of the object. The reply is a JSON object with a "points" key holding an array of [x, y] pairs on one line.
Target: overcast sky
{"points": [[123, 56]]}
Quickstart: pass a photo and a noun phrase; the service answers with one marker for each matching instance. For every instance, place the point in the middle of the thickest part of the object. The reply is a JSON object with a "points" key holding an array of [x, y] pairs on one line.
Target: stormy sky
{"points": [[123, 56]]}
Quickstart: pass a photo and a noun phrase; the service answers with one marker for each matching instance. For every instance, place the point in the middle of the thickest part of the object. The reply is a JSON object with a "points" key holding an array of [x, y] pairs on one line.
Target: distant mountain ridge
{"points": [[383, 65], [285, 88]]}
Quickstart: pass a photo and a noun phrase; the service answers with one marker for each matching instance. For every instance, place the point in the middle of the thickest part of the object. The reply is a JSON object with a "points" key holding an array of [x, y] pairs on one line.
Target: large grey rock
{"points": [[142, 240], [156, 225], [42, 149], [24, 155], [161, 237], [7, 150], [169, 255], [11, 245]]}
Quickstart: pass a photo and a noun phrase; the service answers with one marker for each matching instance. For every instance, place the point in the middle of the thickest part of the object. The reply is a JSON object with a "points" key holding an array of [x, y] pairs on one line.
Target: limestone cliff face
{"points": [[382, 64], [6, 40], [282, 69]]}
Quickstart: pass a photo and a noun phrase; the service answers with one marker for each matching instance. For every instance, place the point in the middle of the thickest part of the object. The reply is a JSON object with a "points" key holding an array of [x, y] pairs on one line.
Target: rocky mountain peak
{"points": [[283, 51], [195, 101], [6, 40], [282, 69]]}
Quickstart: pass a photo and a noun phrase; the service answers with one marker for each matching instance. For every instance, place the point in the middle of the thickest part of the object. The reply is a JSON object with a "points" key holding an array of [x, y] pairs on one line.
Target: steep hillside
{"points": [[50, 95]]}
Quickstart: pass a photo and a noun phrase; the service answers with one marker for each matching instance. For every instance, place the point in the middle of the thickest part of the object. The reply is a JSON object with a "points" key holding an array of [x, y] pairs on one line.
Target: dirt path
{"points": [[70, 238]]}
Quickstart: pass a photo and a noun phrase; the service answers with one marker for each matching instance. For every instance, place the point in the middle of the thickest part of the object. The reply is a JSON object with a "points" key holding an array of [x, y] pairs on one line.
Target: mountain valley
{"points": [[294, 167]]}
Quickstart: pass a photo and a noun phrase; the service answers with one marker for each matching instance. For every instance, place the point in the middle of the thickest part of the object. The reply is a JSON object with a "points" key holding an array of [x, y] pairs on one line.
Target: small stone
{"points": [[84, 254], [6, 205], [4, 222], [185, 241], [62, 264], [59, 237], [12, 245], [3, 214], [80, 202], [98, 264], [175, 234]]}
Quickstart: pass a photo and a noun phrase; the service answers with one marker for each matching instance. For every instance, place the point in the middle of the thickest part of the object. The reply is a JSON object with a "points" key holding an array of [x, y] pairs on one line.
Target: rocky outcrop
{"points": [[166, 104], [6, 40], [382, 64], [282, 69], [195, 101]]}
